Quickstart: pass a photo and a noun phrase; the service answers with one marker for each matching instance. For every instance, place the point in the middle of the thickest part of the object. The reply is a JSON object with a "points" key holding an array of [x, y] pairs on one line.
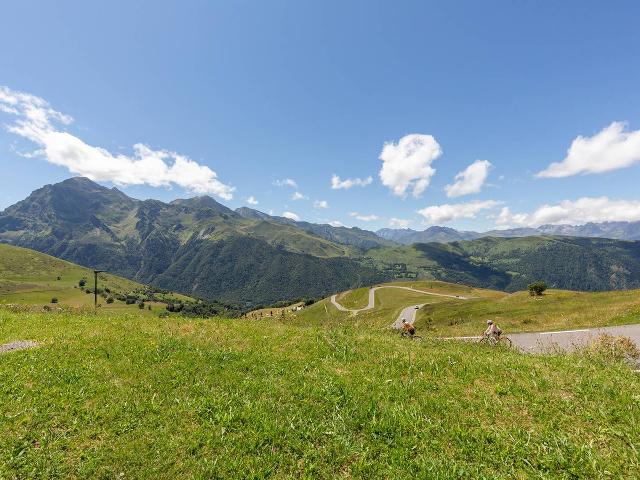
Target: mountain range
{"points": [[614, 230], [202, 248]]}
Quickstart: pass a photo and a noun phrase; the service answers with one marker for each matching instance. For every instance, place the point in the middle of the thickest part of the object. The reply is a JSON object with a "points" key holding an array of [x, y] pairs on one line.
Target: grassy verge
{"points": [[179, 398], [354, 299]]}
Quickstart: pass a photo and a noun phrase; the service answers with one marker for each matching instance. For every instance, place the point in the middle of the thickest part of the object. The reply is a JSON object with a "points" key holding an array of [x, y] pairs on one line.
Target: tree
{"points": [[537, 288], [109, 299], [82, 283], [141, 305]]}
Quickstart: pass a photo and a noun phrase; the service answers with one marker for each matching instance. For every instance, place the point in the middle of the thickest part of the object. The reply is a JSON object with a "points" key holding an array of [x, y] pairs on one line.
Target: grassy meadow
{"points": [[124, 396], [28, 277]]}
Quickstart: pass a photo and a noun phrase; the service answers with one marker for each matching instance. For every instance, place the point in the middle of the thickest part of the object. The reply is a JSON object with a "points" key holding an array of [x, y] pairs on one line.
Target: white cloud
{"points": [[578, 212], [399, 223], [298, 196], [448, 212], [320, 204], [291, 216], [406, 165], [364, 218], [39, 123], [337, 183], [336, 223], [252, 200], [610, 149], [470, 180], [286, 182]]}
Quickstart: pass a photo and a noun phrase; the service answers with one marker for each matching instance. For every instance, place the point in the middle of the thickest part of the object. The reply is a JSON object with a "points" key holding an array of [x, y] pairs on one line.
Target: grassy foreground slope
{"points": [[142, 398], [34, 278]]}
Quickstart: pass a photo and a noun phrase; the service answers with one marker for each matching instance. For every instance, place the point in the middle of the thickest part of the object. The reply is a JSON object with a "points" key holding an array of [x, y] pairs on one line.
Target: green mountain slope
{"points": [[166, 244], [589, 264], [34, 278]]}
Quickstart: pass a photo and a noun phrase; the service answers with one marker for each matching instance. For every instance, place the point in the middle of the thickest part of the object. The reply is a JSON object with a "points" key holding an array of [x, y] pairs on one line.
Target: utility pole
{"points": [[95, 289]]}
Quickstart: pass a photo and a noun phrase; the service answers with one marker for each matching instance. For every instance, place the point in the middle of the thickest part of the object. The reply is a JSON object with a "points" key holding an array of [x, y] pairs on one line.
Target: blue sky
{"points": [[259, 92]]}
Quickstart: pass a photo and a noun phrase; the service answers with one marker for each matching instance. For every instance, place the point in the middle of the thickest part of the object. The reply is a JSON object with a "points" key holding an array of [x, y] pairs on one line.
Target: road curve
{"points": [[408, 313]]}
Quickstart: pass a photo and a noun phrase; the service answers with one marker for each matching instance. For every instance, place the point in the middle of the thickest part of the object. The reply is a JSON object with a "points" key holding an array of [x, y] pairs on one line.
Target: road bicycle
{"points": [[408, 336], [493, 341]]}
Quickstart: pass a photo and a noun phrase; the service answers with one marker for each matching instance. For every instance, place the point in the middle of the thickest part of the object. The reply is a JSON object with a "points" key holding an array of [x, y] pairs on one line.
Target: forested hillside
{"points": [[510, 264]]}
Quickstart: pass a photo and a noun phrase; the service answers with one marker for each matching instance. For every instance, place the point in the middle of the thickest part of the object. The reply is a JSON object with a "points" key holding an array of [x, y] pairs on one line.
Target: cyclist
{"points": [[407, 328], [493, 330]]}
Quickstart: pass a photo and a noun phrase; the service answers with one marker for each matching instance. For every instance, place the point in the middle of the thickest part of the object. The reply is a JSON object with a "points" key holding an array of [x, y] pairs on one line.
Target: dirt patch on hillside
{"points": [[18, 345]]}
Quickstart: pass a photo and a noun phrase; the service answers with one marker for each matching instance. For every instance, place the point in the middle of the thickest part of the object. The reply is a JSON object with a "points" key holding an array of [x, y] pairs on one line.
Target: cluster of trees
{"points": [[536, 289], [204, 309]]}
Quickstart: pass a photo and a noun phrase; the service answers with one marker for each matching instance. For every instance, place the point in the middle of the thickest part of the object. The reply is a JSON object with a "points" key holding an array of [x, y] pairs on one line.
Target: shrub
{"points": [[537, 288], [54, 300], [82, 283], [141, 305], [109, 299]]}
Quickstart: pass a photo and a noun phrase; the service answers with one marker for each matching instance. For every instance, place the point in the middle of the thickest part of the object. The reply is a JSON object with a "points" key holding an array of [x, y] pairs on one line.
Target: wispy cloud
{"points": [[298, 196], [612, 148], [320, 204], [399, 223], [338, 184], [364, 218], [449, 212], [286, 182], [336, 223], [252, 200], [574, 212], [406, 165], [470, 180], [39, 123], [291, 216]]}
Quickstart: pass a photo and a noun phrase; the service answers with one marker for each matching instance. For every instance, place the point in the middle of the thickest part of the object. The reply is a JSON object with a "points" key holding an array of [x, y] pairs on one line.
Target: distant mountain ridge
{"points": [[613, 230], [348, 236]]}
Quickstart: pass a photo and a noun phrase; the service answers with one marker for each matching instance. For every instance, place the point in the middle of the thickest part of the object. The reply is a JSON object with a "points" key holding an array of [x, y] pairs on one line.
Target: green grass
{"points": [[112, 396], [33, 278], [354, 299]]}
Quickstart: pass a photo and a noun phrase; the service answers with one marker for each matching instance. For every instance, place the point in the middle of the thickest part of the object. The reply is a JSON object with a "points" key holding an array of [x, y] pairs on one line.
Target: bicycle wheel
{"points": [[506, 341]]}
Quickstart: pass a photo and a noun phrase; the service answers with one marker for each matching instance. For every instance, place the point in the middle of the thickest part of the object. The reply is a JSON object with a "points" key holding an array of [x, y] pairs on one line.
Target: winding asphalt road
{"points": [[408, 313], [529, 342]]}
